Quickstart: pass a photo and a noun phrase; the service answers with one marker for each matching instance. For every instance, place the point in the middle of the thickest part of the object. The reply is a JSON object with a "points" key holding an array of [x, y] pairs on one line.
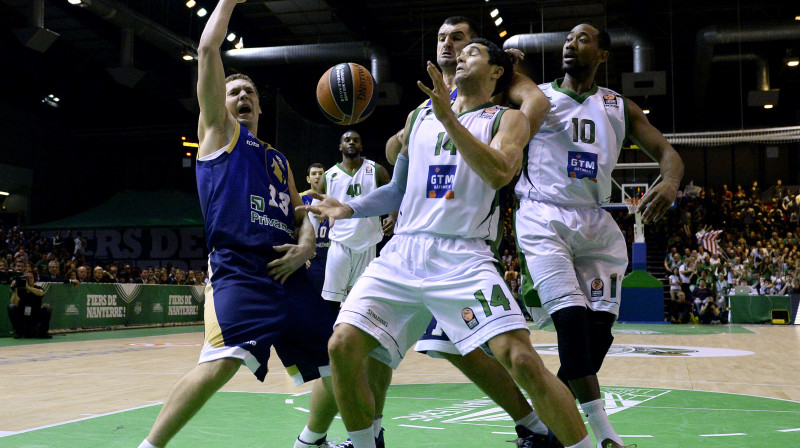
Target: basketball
{"points": [[346, 94]]}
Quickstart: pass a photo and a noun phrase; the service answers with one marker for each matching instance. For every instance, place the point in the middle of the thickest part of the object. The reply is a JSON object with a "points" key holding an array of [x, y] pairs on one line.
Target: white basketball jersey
{"points": [[361, 233], [444, 196], [570, 159]]}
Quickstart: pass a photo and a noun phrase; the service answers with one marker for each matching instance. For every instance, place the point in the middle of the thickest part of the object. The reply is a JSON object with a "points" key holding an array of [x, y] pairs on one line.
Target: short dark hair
{"points": [[497, 57], [603, 38], [314, 165], [455, 20], [236, 76]]}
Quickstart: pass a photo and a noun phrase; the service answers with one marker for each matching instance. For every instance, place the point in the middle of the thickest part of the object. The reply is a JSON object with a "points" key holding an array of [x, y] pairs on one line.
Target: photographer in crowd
{"points": [[29, 317]]}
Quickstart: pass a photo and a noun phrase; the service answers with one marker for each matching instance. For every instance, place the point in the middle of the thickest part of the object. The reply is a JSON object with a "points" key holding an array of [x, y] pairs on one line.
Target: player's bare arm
{"points": [[495, 163], [525, 94], [215, 127], [294, 255], [659, 198]]}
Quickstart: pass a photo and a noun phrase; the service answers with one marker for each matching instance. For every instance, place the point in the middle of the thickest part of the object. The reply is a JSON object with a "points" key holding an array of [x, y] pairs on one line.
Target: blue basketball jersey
{"points": [[244, 195], [453, 95], [320, 229]]}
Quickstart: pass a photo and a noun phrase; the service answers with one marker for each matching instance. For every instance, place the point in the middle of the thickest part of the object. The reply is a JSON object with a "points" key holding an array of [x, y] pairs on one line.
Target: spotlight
{"points": [[498, 21], [503, 33], [239, 45], [645, 111], [494, 13], [4, 193], [202, 12], [793, 62], [51, 100], [191, 4], [231, 37], [768, 106]]}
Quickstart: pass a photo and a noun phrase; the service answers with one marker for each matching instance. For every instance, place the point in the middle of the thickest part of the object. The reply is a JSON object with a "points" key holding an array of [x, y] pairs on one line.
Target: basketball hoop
{"points": [[638, 229]]}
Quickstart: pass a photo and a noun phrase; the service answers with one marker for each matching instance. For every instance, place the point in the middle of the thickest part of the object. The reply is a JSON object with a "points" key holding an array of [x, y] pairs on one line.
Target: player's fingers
{"points": [[282, 247], [425, 89], [316, 195]]}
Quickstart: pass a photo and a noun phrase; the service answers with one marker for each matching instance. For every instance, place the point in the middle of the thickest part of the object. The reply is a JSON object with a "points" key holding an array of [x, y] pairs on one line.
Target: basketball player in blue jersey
{"points": [[256, 297], [316, 266], [577, 249], [481, 369], [438, 263]]}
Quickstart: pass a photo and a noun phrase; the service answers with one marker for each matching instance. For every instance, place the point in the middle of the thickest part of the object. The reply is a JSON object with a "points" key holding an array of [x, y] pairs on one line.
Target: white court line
{"points": [[724, 435], [634, 436], [504, 433], [421, 427], [289, 401], [789, 430], [651, 380], [718, 409], [77, 420], [302, 409]]}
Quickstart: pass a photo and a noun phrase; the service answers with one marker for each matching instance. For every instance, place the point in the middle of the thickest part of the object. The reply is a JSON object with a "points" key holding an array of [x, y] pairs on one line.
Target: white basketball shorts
{"points": [[417, 277], [342, 269], [575, 257]]}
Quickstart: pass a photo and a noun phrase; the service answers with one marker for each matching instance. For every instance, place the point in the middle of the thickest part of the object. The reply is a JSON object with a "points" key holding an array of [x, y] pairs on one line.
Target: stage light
{"points": [[231, 37], [202, 12], [191, 4]]}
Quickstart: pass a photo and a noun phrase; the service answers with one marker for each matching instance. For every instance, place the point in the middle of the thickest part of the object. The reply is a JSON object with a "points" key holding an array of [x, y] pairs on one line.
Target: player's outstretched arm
{"points": [[294, 255], [215, 127], [659, 198]]}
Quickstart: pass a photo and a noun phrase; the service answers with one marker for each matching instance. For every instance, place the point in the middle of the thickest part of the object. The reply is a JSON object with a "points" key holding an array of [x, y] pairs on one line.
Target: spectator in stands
{"points": [[83, 274], [701, 292], [179, 277], [29, 317], [755, 191], [6, 275], [53, 273], [144, 277], [768, 288], [680, 310], [674, 284], [792, 286], [778, 191], [727, 195], [99, 275], [200, 278], [687, 271]]}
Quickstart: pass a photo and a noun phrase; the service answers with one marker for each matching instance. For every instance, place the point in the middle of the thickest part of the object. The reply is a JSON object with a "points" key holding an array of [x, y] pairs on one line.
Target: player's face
{"points": [[451, 40], [473, 63], [314, 178], [581, 52], [241, 101], [350, 144]]}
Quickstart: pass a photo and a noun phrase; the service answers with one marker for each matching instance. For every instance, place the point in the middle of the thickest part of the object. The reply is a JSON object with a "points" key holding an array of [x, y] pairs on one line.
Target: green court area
{"points": [[682, 329], [444, 415], [105, 334]]}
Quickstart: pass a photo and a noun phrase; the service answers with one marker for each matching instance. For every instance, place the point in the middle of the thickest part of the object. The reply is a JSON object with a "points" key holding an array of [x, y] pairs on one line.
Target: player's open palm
{"points": [[440, 95], [327, 208]]}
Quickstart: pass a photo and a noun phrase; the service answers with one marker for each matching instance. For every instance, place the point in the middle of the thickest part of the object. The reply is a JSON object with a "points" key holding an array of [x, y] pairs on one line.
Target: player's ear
{"points": [[498, 71], [602, 56]]}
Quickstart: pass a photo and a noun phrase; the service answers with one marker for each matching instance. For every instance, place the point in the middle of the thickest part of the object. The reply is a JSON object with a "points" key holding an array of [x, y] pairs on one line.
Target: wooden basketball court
{"points": [[66, 378]]}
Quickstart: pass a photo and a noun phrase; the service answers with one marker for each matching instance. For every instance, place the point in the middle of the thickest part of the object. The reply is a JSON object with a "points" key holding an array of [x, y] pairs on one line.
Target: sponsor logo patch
{"points": [[256, 203], [597, 288], [582, 165], [610, 100], [489, 112], [469, 318], [440, 181]]}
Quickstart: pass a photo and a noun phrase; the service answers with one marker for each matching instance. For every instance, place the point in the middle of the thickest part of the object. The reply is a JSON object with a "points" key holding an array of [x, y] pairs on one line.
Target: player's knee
{"points": [[514, 351], [574, 343], [600, 337], [346, 343]]}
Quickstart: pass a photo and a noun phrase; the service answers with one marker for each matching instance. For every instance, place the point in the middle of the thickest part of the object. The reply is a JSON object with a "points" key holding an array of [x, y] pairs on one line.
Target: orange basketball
{"points": [[346, 93]]}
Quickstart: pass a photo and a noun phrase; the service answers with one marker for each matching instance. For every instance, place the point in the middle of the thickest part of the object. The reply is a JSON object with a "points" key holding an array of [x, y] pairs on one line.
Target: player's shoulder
{"points": [[608, 94]]}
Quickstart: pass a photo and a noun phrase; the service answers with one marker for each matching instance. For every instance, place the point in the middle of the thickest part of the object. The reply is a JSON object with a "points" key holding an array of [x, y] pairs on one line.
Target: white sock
{"points": [[364, 438], [585, 443], [598, 420], [377, 425], [147, 444], [308, 436], [532, 422]]}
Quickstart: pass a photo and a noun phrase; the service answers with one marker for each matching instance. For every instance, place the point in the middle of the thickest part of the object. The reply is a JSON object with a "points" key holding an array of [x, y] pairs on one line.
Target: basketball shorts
{"points": [[435, 342], [572, 256], [342, 269], [247, 312], [419, 277]]}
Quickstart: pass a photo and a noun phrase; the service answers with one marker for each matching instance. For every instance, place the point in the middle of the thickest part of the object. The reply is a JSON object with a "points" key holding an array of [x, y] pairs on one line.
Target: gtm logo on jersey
{"points": [[489, 113], [582, 165], [440, 181], [610, 100]]}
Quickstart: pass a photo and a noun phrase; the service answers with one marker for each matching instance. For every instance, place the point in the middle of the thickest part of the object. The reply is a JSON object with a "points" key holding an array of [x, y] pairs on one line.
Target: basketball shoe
{"points": [[529, 439], [321, 443], [608, 443], [378, 442]]}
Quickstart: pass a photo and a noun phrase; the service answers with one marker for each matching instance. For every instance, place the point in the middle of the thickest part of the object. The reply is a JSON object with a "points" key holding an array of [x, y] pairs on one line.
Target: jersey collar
{"points": [[579, 98]]}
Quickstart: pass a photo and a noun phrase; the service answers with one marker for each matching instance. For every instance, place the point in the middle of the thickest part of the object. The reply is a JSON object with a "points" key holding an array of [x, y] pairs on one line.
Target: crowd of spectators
{"points": [[757, 249], [62, 259]]}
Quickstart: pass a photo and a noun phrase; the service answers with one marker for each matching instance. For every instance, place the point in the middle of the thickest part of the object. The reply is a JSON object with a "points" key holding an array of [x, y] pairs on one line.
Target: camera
{"points": [[21, 282]]}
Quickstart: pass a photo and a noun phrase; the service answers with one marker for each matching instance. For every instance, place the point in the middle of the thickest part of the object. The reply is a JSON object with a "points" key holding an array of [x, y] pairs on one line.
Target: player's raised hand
{"points": [[440, 95], [293, 257], [515, 55], [328, 208]]}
